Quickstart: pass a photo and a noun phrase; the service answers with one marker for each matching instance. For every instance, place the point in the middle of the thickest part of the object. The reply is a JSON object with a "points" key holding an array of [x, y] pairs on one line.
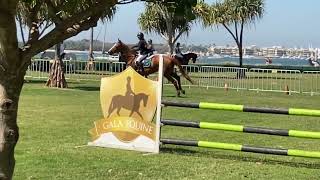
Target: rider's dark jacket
{"points": [[142, 47], [177, 50]]}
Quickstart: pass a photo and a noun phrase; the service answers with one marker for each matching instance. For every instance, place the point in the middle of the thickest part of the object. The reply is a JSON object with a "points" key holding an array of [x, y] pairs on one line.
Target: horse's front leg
{"points": [[118, 111], [131, 112], [139, 114]]}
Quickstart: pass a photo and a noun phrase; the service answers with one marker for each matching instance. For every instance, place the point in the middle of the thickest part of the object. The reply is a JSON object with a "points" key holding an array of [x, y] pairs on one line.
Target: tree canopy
{"points": [[233, 15], [170, 20]]}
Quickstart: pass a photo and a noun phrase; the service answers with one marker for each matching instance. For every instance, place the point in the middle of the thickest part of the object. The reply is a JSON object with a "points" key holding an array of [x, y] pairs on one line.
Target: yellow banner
{"points": [[129, 125], [128, 103]]}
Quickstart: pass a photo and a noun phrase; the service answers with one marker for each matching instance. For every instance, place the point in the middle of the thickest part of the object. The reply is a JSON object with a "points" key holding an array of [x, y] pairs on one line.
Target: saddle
{"points": [[146, 62], [180, 58]]}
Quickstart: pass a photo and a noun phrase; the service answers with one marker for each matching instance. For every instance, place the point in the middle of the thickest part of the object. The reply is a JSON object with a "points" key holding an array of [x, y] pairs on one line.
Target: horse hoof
{"points": [[183, 91]]}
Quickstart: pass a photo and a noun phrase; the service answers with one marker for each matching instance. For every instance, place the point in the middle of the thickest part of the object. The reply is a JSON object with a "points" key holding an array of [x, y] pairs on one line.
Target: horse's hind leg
{"points": [[173, 81], [111, 109], [175, 76]]}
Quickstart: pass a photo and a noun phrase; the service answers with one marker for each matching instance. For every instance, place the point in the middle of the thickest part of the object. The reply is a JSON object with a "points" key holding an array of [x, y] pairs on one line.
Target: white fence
{"points": [[222, 77], [312, 79], [274, 80]]}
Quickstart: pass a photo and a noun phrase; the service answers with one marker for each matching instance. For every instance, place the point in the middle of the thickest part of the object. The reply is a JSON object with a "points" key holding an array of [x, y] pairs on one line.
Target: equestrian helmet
{"points": [[140, 35]]}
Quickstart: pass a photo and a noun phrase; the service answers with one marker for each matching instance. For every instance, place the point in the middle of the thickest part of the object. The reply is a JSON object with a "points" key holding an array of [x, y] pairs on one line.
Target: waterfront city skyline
{"points": [[289, 23]]}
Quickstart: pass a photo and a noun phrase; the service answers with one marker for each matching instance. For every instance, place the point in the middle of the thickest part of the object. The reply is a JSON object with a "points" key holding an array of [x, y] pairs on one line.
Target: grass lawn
{"points": [[54, 127]]}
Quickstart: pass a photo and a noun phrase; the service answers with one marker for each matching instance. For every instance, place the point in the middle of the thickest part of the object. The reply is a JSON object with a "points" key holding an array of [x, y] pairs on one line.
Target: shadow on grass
{"points": [[86, 88], [174, 96], [218, 155], [42, 81]]}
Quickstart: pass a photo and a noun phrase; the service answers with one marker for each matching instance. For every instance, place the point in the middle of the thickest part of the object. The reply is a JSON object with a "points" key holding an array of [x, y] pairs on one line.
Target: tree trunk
{"points": [[11, 80], [241, 72], [90, 64], [10, 88], [240, 56], [170, 33], [171, 47], [56, 74]]}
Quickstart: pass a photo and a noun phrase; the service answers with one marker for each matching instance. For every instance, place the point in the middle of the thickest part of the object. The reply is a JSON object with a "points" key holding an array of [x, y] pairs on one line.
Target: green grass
{"points": [[54, 123]]}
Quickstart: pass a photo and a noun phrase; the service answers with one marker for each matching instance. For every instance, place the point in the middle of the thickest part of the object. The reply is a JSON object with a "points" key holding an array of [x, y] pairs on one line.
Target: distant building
{"points": [[274, 51], [251, 51]]}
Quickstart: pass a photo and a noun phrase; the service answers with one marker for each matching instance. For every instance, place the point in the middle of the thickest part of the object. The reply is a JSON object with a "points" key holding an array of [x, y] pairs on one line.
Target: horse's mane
{"points": [[127, 48], [142, 95], [126, 51]]}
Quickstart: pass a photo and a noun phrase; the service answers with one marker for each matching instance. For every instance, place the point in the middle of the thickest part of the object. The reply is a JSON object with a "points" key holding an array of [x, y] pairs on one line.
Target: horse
{"points": [[119, 101], [129, 56], [186, 58]]}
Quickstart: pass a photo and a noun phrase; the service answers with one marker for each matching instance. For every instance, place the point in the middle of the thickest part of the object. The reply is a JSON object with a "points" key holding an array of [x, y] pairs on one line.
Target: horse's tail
{"points": [[183, 72]]}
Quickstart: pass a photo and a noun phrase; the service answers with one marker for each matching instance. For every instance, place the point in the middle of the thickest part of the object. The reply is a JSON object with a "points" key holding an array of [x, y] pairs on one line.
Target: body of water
{"points": [[231, 60], [254, 61]]}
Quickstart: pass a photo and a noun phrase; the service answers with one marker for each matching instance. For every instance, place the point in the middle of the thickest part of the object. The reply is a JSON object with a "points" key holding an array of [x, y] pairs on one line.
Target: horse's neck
{"points": [[128, 54], [142, 97], [189, 56]]}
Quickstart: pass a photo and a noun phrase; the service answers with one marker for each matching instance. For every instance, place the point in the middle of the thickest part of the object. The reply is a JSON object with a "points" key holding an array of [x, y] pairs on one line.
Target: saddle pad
{"points": [[147, 62]]}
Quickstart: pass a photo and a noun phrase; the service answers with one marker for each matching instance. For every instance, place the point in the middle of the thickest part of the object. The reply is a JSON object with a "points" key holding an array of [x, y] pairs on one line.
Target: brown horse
{"points": [[187, 57], [129, 56], [120, 101]]}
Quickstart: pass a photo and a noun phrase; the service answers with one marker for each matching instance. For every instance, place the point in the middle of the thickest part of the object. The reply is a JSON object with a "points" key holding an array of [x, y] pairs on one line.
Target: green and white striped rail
{"points": [[240, 128], [245, 148], [243, 108]]}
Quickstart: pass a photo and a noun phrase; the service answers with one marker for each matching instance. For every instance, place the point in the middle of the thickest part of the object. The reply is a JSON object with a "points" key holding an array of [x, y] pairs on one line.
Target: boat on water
{"points": [[106, 57], [215, 56], [249, 57], [268, 61]]}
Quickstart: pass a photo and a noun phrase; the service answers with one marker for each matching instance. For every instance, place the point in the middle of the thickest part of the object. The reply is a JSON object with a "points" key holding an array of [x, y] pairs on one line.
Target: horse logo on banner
{"points": [[128, 102]]}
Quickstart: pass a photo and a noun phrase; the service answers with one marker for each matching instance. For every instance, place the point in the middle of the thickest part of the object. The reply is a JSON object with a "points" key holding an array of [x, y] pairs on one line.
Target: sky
{"points": [[289, 23]]}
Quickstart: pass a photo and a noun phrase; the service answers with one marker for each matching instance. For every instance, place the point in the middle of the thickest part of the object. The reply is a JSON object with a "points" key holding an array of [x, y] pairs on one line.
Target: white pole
{"points": [[159, 98]]}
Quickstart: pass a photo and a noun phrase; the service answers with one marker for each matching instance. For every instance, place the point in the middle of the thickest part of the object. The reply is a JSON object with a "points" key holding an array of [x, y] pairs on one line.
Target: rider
{"points": [[142, 48], [150, 47], [178, 51], [129, 92]]}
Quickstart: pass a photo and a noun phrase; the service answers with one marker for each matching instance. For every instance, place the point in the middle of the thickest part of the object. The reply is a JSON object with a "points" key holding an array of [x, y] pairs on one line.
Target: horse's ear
{"points": [[119, 41]]}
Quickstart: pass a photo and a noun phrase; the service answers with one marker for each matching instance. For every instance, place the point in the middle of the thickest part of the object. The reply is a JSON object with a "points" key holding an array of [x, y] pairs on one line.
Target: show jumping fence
{"points": [[273, 80], [244, 129], [242, 108]]}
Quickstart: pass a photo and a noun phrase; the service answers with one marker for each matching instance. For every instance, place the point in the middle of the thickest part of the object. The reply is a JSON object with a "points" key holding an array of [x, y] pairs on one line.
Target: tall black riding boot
{"points": [[142, 68]]}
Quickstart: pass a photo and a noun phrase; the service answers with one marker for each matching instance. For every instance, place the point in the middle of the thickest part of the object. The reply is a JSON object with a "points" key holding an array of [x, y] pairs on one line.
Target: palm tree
{"points": [[233, 15], [169, 24]]}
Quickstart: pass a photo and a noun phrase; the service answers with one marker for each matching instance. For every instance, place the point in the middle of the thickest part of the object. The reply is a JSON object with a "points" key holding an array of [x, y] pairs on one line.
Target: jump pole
{"points": [[243, 108], [244, 148], [159, 100], [244, 129]]}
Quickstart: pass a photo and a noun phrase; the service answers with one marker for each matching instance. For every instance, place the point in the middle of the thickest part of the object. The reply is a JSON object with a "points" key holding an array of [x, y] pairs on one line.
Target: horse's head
{"points": [[118, 47], [145, 99]]}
